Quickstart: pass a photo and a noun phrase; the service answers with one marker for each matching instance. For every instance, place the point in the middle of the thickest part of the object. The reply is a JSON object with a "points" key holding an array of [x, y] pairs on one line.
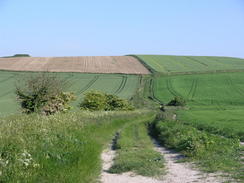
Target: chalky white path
{"points": [[107, 157], [176, 172]]}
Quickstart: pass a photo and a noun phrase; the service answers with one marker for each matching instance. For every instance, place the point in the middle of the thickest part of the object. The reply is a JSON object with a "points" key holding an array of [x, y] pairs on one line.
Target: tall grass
{"points": [[211, 152], [59, 148], [228, 123]]}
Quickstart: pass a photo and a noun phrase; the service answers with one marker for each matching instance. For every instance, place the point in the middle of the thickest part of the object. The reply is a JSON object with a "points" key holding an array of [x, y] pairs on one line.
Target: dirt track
{"points": [[98, 64], [175, 172]]}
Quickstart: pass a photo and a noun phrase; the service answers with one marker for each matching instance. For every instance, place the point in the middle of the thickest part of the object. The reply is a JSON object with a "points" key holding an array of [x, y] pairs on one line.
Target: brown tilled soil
{"points": [[92, 64]]}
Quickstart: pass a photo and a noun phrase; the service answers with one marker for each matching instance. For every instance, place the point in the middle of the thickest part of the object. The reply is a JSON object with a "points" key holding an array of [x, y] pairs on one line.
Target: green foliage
{"points": [[135, 151], [58, 103], [99, 101], [43, 94], [17, 55], [212, 152], [80, 83], [114, 103], [64, 147], [94, 101], [21, 55], [177, 101]]}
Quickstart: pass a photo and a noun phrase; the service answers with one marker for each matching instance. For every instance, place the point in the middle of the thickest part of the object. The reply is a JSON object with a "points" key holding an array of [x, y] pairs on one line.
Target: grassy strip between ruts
{"points": [[135, 152], [211, 152], [59, 148]]}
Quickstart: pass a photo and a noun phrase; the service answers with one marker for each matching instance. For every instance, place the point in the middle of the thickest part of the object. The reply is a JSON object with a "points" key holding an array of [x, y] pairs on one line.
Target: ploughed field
{"points": [[168, 64], [91, 64], [215, 101], [119, 84]]}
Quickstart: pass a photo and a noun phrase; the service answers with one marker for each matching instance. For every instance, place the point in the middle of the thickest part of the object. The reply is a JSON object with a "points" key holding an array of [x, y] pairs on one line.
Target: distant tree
{"points": [[21, 55], [17, 55]]}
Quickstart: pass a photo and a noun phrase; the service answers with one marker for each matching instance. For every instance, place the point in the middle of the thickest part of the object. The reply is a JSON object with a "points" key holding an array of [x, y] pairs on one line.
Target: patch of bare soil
{"points": [[96, 64]]}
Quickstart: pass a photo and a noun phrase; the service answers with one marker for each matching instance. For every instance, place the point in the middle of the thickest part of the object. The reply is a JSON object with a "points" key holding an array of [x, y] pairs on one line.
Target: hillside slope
{"points": [[169, 64]]}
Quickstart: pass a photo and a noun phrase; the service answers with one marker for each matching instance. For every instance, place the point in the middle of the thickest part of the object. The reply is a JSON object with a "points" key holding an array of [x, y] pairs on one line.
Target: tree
{"points": [[43, 93]]}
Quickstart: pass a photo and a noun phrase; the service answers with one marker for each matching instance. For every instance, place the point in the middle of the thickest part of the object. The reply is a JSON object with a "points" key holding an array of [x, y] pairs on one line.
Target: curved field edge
{"points": [[178, 65], [59, 148], [125, 86]]}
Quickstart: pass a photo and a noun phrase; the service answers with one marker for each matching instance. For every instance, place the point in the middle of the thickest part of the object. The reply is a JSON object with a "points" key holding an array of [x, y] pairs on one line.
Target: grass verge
{"points": [[211, 152], [59, 148], [228, 123], [135, 152]]}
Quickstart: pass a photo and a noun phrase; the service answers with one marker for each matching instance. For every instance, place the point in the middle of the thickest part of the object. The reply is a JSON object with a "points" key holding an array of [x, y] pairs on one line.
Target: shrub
{"points": [[43, 94], [58, 103], [99, 101], [177, 101], [94, 101], [114, 103]]}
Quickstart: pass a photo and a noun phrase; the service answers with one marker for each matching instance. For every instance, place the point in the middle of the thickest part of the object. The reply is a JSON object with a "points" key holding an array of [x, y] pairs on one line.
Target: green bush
{"points": [[94, 101], [177, 101], [99, 101], [43, 93], [114, 103]]}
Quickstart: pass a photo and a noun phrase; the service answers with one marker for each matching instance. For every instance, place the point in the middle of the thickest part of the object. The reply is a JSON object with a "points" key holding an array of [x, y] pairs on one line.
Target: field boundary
{"points": [[143, 63]]}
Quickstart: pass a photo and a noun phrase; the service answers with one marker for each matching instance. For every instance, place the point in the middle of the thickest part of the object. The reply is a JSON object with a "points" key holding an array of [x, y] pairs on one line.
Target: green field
{"points": [[122, 85], [215, 101], [190, 64]]}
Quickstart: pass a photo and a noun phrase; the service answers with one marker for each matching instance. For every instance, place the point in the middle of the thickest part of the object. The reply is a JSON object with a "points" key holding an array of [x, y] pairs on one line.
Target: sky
{"points": [[121, 27]]}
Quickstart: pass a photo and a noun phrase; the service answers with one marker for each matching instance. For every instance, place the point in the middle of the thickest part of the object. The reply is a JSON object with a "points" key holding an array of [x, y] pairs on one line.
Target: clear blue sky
{"points": [[120, 27]]}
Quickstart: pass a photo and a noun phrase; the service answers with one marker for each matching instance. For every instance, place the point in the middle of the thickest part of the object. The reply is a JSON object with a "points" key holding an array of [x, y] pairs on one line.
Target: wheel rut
{"points": [[175, 172]]}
